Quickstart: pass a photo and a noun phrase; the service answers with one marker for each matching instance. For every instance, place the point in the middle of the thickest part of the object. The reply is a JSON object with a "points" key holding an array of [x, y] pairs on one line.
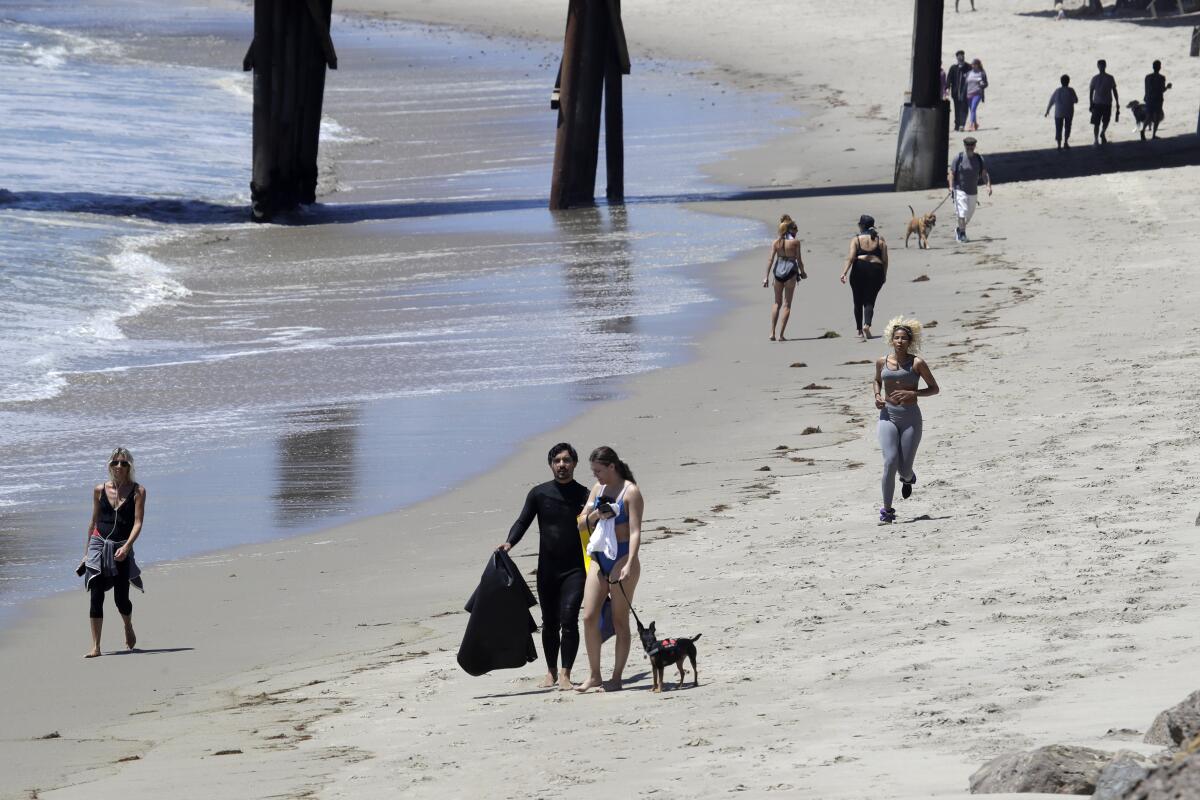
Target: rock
{"points": [[810, 430], [920, 279], [1173, 781], [1120, 775], [1055, 769], [814, 386], [1177, 724], [796, 364], [830, 335]]}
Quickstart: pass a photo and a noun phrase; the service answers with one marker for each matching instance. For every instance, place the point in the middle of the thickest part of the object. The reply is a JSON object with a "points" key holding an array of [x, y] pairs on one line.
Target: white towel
{"points": [[604, 537]]}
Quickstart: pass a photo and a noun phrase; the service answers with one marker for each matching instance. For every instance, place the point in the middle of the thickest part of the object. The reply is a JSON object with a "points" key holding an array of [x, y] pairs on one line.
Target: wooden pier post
{"points": [[594, 58], [289, 55], [923, 145]]}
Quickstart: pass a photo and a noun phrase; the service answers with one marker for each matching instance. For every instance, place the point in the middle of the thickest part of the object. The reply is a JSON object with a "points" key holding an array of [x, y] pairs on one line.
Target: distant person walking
{"points": [[956, 82], [956, 6], [1102, 94], [1156, 88], [867, 266], [977, 82], [897, 378], [785, 266], [963, 176], [118, 506], [1063, 102]]}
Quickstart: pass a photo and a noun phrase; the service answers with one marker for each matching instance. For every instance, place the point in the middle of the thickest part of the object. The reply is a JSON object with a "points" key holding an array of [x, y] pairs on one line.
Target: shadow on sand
{"points": [[141, 651], [1021, 165]]}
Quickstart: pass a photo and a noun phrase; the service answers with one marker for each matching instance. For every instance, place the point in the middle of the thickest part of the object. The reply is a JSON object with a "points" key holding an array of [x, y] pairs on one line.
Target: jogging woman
{"points": [[897, 376]]}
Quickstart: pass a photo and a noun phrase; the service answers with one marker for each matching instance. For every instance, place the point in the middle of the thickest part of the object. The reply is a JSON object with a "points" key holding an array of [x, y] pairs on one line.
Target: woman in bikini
{"points": [[785, 266], [616, 497], [897, 376], [118, 505], [867, 266]]}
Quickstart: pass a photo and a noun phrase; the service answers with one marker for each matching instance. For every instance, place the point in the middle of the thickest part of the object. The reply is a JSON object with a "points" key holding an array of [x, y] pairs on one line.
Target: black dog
{"points": [[668, 651], [1142, 118]]}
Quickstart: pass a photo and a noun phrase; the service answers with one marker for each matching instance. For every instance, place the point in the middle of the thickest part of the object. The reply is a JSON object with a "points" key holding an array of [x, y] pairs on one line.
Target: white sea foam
{"points": [[334, 132]]}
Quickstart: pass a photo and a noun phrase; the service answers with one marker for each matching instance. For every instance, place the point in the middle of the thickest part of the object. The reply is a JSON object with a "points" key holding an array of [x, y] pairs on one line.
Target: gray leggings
{"points": [[899, 438]]}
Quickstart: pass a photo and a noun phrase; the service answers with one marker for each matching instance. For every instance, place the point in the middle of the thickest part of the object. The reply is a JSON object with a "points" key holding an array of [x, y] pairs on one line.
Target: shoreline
{"points": [[852, 641], [272, 452]]}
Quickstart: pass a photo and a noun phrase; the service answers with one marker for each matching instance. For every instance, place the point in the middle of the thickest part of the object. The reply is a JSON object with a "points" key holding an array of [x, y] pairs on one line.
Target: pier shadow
{"points": [[1086, 159], [1167, 19], [1047, 163], [175, 211]]}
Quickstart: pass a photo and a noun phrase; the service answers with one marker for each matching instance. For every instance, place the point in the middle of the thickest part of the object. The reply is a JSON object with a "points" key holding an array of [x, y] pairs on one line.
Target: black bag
{"points": [[500, 631], [785, 269]]}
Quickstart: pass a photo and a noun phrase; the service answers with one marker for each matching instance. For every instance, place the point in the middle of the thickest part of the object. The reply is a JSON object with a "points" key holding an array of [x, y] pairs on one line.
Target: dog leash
{"points": [[939, 205], [630, 604]]}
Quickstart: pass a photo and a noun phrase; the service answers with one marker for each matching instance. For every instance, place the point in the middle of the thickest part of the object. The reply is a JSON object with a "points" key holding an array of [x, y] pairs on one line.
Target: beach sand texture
{"points": [[1036, 588]]}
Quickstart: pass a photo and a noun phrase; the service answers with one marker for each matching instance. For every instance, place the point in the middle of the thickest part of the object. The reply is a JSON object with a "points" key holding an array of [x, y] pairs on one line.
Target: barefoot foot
{"points": [[564, 682], [92, 653], [547, 682], [772, 337], [589, 685], [613, 685]]}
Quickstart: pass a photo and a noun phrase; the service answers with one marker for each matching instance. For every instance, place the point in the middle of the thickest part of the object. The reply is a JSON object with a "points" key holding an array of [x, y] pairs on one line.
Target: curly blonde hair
{"points": [[913, 326]]}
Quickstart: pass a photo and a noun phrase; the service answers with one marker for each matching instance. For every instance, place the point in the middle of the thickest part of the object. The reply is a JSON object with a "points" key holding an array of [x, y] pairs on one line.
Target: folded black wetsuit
{"points": [[560, 574]]}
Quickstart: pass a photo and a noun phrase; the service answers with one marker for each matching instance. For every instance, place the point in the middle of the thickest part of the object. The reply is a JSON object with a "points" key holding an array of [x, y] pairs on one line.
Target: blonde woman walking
{"points": [[786, 266], [118, 506]]}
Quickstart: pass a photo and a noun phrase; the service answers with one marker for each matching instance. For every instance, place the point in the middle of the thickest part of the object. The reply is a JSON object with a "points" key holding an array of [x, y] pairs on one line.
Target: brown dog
{"points": [[921, 226]]}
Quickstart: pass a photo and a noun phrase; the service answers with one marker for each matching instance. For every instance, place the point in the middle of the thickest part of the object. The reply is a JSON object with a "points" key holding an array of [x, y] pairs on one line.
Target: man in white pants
{"points": [[963, 176]]}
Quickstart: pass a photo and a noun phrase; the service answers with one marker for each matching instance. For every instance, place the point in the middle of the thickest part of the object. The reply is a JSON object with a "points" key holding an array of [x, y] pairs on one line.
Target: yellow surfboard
{"points": [[583, 542]]}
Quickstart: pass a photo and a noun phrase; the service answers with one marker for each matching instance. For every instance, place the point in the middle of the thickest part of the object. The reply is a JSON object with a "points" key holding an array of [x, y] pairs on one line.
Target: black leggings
{"points": [[560, 596], [119, 583], [866, 279]]}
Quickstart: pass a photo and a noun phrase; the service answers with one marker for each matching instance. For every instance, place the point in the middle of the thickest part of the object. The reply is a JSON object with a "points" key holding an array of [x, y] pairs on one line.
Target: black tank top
{"points": [[116, 524], [877, 251]]}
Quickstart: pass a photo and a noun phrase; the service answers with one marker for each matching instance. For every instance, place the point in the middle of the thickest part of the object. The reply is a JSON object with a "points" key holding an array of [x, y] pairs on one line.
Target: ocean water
{"points": [[376, 349]]}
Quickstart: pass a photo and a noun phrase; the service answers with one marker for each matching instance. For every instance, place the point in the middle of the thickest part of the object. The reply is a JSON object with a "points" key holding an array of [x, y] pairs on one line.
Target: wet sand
{"points": [[1034, 590]]}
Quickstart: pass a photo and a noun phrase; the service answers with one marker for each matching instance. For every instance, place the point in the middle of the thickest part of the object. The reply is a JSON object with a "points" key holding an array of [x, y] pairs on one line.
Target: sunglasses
{"points": [[118, 463]]}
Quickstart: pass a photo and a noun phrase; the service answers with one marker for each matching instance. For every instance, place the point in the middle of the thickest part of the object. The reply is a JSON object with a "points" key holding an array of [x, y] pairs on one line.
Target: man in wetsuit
{"points": [[560, 576]]}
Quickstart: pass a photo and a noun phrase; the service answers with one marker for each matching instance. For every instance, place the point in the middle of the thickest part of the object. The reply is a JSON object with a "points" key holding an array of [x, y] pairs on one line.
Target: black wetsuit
{"points": [[560, 574]]}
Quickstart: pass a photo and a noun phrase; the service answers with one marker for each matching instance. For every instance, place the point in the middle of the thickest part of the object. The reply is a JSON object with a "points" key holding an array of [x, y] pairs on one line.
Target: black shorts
{"points": [[1101, 114]]}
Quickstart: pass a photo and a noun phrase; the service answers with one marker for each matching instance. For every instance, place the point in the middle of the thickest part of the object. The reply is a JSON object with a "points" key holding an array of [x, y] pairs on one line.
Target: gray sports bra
{"points": [[905, 375]]}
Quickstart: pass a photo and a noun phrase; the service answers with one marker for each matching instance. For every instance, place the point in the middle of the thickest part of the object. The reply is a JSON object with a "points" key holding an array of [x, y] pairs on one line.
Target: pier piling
{"points": [[595, 57], [923, 146], [290, 52]]}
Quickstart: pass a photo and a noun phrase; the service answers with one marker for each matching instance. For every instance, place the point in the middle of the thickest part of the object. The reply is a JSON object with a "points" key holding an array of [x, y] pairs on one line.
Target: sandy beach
{"points": [[1034, 590]]}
